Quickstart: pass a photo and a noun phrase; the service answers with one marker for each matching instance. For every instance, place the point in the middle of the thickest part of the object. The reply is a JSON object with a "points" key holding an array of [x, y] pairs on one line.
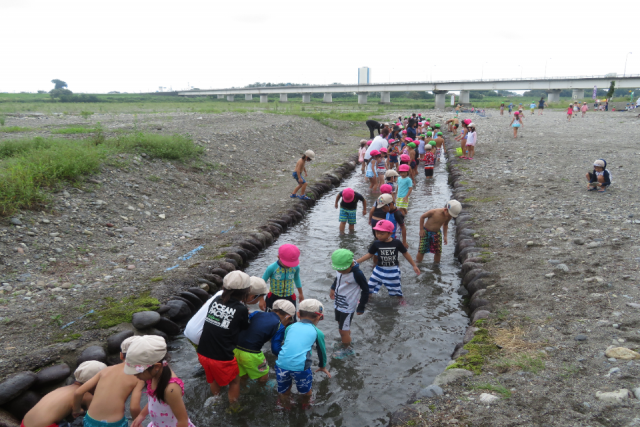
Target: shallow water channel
{"points": [[399, 348]]}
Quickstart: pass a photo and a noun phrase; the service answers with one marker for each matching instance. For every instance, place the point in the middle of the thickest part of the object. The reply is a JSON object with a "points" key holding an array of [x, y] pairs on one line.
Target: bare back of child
{"points": [[112, 388], [54, 407], [431, 235]]}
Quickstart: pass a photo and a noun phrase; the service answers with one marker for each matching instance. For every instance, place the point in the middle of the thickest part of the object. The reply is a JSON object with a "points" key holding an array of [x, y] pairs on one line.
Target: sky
{"points": [[138, 45]]}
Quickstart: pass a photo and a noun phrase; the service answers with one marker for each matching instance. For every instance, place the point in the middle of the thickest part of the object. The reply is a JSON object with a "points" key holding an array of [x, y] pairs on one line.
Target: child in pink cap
{"points": [[381, 167], [387, 270], [284, 276], [348, 207], [372, 169], [361, 152]]}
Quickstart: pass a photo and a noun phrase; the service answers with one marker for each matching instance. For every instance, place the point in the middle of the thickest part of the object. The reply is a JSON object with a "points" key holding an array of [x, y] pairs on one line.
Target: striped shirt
{"points": [[282, 280]]}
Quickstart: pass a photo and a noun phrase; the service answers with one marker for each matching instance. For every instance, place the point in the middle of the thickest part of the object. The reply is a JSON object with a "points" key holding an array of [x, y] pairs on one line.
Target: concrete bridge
{"points": [[553, 86]]}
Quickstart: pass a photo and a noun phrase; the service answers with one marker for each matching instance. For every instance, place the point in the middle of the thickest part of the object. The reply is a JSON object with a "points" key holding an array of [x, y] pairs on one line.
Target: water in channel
{"points": [[398, 347]]}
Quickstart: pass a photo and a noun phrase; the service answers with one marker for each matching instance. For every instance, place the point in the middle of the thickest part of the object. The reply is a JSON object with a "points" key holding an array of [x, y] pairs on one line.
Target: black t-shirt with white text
{"points": [[387, 252], [352, 205], [221, 329]]}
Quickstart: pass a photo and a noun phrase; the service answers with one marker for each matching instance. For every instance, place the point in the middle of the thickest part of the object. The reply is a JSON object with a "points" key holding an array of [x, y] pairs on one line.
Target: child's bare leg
{"points": [[306, 398], [303, 190], [472, 150], [436, 258], [215, 388], [285, 398], [515, 132], [263, 379], [297, 188], [342, 226], [346, 338], [352, 228], [234, 390], [419, 257]]}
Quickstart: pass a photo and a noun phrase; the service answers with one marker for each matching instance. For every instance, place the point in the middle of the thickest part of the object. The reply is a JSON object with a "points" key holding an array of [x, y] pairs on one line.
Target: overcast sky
{"points": [[134, 45]]}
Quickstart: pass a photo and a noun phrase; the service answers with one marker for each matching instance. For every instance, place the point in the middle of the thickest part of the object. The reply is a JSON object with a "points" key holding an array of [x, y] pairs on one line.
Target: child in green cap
{"points": [[439, 143], [350, 291]]}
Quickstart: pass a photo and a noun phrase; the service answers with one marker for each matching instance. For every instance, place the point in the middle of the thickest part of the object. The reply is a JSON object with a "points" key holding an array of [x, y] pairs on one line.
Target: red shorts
{"points": [[220, 371], [52, 425]]}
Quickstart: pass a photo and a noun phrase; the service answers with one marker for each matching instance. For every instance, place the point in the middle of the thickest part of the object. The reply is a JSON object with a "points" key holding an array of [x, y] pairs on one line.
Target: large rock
{"points": [[15, 385], [621, 353], [219, 272], [477, 294], [53, 374], [145, 319], [479, 302], [192, 308], [197, 302], [470, 276], [236, 257], [114, 341], [155, 331], [203, 295], [23, 404], [226, 266], [168, 327], [479, 283], [430, 391], [8, 420], [469, 334], [95, 352], [480, 314], [617, 396], [451, 375], [178, 310], [468, 266]]}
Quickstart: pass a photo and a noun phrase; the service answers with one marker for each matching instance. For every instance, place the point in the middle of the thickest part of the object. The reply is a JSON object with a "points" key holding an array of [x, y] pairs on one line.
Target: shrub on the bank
{"points": [[117, 312], [171, 147]]}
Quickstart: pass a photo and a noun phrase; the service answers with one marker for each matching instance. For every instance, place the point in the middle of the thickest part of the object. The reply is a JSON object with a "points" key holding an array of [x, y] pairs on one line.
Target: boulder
{"points": [[179, 310], [52, 375], [226, 266], [211, 279], [145, 319], [468, 266], [168, 327], [19, 406], [451, 375], [621, 353], [15, 385], [240, 252], [236, 257], [232, 262], [480, 314], [488, 399], [114, 341], [219, 271], [283, 224], [430, 391], [478, 294], [464, 243], [483, 275], [257, 243], [257, 235], [617, 396], [203, 295], [468, 252], [459, 352], [469, 334], [197, 302], [155, 331], [287, 219], [192, 308], [479, 284], [479, 302], [470, 276], [94, 352], [268, 237]]}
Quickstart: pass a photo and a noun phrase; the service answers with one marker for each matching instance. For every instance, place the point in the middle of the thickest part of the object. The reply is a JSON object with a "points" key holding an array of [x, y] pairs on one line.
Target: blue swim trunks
{"points": [[347, 216], [90, 422], [303, 379], [295, 176]]}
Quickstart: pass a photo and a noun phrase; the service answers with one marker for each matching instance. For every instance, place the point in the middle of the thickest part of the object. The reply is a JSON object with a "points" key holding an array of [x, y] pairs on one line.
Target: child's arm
{"points": [[364, 291], [136, 394], [269, 271], [332, 293], [371, 214], [137, 421], [364, 206], [403, 227], [173, 398], [79, 394], [277, 340], [322, 353], [445, 228], [424, 216], [296, 280], [364, 258], [338, 198], [304, 168], [299, 167], [409, 192], [407, 255]]}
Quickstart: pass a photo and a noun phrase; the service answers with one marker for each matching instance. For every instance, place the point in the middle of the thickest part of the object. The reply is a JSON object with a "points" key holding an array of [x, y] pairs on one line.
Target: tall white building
{"points": [[364, 75]]}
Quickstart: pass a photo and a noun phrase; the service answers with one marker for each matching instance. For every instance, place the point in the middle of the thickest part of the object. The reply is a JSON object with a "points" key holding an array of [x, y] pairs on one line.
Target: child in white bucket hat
{"points": [[146, 360]]}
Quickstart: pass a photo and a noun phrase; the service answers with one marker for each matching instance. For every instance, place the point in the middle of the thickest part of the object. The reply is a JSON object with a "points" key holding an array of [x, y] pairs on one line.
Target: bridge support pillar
{"points": [[327, 97], [283, 97], [306, 98], [264, 99], [578, 94], [385, 97], [220, 96], [248, 97], [230, 98], [554, 95], [440, 98], [464, 96], [362, 97]]}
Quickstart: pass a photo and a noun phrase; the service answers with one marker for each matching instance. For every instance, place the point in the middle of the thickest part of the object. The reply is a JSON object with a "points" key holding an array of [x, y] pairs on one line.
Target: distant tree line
{"points": [[62, 94]]}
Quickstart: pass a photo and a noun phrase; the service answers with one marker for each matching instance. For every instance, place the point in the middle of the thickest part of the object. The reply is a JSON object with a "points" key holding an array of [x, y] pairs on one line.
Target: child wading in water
{"points": [[430, 233], [405, 187], [516, 123], [387, 270], [361, 153], [348, 207], [429, 161], [146, 360], [53, 408], [350, 292], [297, 175], [284, 276], [600, 178]]}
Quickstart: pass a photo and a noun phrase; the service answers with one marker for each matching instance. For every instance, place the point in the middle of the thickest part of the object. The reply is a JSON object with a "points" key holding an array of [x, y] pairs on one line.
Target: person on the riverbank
{"points": [[297, 175], [569, 112], [472, 138], [263, 327], [516, 123], [584, 109], [361, 153], [112, 387], [57, 405], [147, 361], [532, 107], [435, 230], [510, 107], [405, 187], [600, 178], [372, 169], [576, 108], [226, 317], [373, 125], [462, 138], [387, 270], [284, 276], [502, 109], [429, 162], [348, 207], [350, 291], [541, 105], [294, 360]]}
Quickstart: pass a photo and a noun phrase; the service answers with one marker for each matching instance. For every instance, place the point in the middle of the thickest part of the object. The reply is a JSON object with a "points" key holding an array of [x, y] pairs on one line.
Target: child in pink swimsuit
{"points": [[146, 360]]}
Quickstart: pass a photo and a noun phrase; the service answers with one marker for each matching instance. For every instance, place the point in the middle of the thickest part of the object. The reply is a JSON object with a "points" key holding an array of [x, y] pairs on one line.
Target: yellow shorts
{"points": [[252, 364], [402, 202]]}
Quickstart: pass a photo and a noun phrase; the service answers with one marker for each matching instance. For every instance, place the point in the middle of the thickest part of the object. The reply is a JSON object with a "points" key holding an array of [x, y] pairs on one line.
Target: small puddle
{"points": [[398, 348]]}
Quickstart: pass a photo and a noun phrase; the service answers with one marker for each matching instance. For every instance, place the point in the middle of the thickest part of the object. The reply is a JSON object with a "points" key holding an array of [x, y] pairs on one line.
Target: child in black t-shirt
{"points": [[387, 270], [348, 207]]}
